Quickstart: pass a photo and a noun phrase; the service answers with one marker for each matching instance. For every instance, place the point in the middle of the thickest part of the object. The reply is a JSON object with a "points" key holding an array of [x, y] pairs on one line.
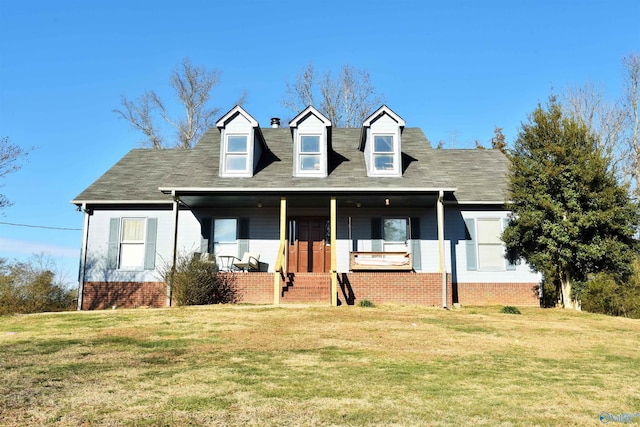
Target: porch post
{"points": [[174, 259], [83, 254], [442, 269], [334, 267], [281, 259]]}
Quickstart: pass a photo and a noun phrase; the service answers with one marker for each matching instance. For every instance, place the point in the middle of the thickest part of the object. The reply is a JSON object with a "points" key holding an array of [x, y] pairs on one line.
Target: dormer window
{"points": [[310, 136], [241, 143], [380, 141], [309, 153], [383, 153], [237, 153]]}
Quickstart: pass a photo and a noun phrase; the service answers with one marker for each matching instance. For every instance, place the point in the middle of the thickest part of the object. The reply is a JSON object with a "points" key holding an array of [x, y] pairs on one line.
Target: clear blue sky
{"points": [[455, 69]]}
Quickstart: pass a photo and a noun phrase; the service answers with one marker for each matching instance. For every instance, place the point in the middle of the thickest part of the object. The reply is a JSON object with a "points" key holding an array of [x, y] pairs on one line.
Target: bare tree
{"points": [[10, 155], [192, 86], [588, 105], [346, 99], [631, 65]]}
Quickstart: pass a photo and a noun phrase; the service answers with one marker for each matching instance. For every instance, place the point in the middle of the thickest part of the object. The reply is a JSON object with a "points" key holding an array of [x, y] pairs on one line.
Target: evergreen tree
{"points": [[570, 217]]}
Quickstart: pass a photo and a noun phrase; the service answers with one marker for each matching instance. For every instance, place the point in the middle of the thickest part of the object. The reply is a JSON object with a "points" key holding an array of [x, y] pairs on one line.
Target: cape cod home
{"points": [[305, 213]]}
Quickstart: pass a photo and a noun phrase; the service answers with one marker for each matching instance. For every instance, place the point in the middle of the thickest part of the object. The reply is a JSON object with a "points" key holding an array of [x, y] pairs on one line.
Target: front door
{"points": [[309, 248]]}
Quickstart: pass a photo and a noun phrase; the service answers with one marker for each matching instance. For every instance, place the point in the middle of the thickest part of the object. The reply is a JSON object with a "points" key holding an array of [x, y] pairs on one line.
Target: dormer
{"points": [[310, 143], [240, 143], [380, 141]]}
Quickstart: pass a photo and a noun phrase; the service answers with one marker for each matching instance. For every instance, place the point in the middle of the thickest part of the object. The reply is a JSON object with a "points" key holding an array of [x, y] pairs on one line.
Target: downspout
{"points": [[174, 258], [83, 255], [443, 270]]}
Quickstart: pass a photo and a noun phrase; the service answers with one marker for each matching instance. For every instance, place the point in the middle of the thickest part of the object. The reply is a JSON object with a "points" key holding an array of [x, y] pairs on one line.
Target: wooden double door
{"points": [[309, 245]]}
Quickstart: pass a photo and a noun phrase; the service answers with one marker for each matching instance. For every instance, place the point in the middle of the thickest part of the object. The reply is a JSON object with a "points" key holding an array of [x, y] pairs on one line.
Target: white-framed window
{"points": [[384, 154], [132, 243], [485, 249], [236, 153], [490, 247], [225, 236], [394, 234], [309, 154]]}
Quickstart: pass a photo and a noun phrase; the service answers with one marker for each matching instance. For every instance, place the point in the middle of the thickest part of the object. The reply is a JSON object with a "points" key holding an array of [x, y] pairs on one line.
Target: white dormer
{"points": [[239, 148], [381, 143], [310, 146]]}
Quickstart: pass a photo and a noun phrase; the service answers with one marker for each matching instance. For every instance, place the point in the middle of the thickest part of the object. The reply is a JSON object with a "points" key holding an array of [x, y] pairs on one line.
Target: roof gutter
{"points": [[170, 190]]}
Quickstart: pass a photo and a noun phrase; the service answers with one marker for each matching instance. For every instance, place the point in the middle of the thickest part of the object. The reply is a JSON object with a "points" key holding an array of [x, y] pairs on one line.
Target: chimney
{"points": [[275, 122]]}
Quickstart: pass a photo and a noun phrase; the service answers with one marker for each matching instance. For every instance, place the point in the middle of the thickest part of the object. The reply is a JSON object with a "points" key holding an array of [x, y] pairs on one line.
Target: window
{"points": [[485, 249], [383, 153], [225, 234], [490, 249], [394, 233], [310, 154], [237, 153], [132, 243]]}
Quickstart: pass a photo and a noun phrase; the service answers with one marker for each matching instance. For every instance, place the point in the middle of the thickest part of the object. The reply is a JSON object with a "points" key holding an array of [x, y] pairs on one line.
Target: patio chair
{"points": [[249, 261]]}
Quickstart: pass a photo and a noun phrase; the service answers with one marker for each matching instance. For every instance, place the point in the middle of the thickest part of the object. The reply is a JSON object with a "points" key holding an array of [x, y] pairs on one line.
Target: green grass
{"points": [[242, 365]]}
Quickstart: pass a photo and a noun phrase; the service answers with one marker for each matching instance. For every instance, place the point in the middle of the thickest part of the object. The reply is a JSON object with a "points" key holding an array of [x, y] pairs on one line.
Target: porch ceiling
{"points": [[345, 200]]}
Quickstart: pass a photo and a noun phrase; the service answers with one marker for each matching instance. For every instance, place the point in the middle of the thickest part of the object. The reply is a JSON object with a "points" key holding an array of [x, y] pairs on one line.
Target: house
{"points": [[331, 215]]}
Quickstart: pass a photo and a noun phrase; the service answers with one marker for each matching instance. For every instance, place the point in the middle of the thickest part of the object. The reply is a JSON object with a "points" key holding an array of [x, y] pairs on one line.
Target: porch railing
{"points": [[280, 260]]}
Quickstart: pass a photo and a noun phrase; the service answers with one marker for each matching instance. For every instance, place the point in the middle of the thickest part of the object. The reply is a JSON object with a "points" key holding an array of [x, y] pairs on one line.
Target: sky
{"points": [[455, 69]]}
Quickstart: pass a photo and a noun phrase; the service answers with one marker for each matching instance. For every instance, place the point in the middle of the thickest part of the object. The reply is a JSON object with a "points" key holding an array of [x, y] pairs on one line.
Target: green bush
{"points": [[509, 309], [606, 294], [32, 287], [197, 282], [366, 303]]}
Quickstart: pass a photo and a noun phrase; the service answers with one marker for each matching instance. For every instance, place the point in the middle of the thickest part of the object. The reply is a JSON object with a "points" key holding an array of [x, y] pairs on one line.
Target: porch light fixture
{"points": [[386, 202], [259, 204], [358, 204]]}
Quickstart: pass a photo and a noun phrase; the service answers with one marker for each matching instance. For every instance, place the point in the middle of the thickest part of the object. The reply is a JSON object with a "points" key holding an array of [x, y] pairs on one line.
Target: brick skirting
{"points": [[101, 295], [522, 294], [255, 287], [393, 287], [377, 287]]}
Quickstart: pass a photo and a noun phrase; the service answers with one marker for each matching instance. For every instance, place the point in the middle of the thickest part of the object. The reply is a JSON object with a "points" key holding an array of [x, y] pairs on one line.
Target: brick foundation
{"points": [[377, 287], [393, 287], [522, 294], [255, 288], [101, 295]]}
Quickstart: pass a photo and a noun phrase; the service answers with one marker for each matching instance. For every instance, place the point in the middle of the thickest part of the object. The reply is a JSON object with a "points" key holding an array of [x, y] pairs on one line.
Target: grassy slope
{"points": [[388, 365]]}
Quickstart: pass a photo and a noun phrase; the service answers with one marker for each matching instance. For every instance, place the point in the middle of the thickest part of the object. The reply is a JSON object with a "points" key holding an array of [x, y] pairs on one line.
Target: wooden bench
{"points": [[380, 261]]}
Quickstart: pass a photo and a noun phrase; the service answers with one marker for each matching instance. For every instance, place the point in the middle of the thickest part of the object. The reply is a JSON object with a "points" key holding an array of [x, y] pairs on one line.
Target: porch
{"points": [[296, 234]]}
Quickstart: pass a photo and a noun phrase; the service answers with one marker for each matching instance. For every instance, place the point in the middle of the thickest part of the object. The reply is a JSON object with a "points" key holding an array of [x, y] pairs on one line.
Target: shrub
{"points": [[509, 309], [197, 282], [366, 303], [606, 294], [32, 287]]}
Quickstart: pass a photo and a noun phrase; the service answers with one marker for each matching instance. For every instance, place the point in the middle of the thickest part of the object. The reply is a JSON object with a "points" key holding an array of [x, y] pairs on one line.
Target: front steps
{"points": [[306, 288]]}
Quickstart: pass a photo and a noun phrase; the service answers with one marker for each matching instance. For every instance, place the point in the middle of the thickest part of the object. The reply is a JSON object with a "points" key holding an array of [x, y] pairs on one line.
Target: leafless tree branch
{"points": [[346, 99], [193, 86]]}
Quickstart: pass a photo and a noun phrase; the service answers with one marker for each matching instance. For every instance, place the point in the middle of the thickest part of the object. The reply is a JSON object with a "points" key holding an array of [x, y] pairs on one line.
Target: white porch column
{"points": [[442, 268], [334, 262]]}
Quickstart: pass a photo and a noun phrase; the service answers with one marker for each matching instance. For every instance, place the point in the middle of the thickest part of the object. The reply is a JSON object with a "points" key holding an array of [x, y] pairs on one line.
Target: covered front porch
{"points": [[394, 239]]}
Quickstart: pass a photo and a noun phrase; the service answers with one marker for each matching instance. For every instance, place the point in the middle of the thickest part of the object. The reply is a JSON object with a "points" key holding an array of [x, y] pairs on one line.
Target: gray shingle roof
{"points": [[478, 175]]}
